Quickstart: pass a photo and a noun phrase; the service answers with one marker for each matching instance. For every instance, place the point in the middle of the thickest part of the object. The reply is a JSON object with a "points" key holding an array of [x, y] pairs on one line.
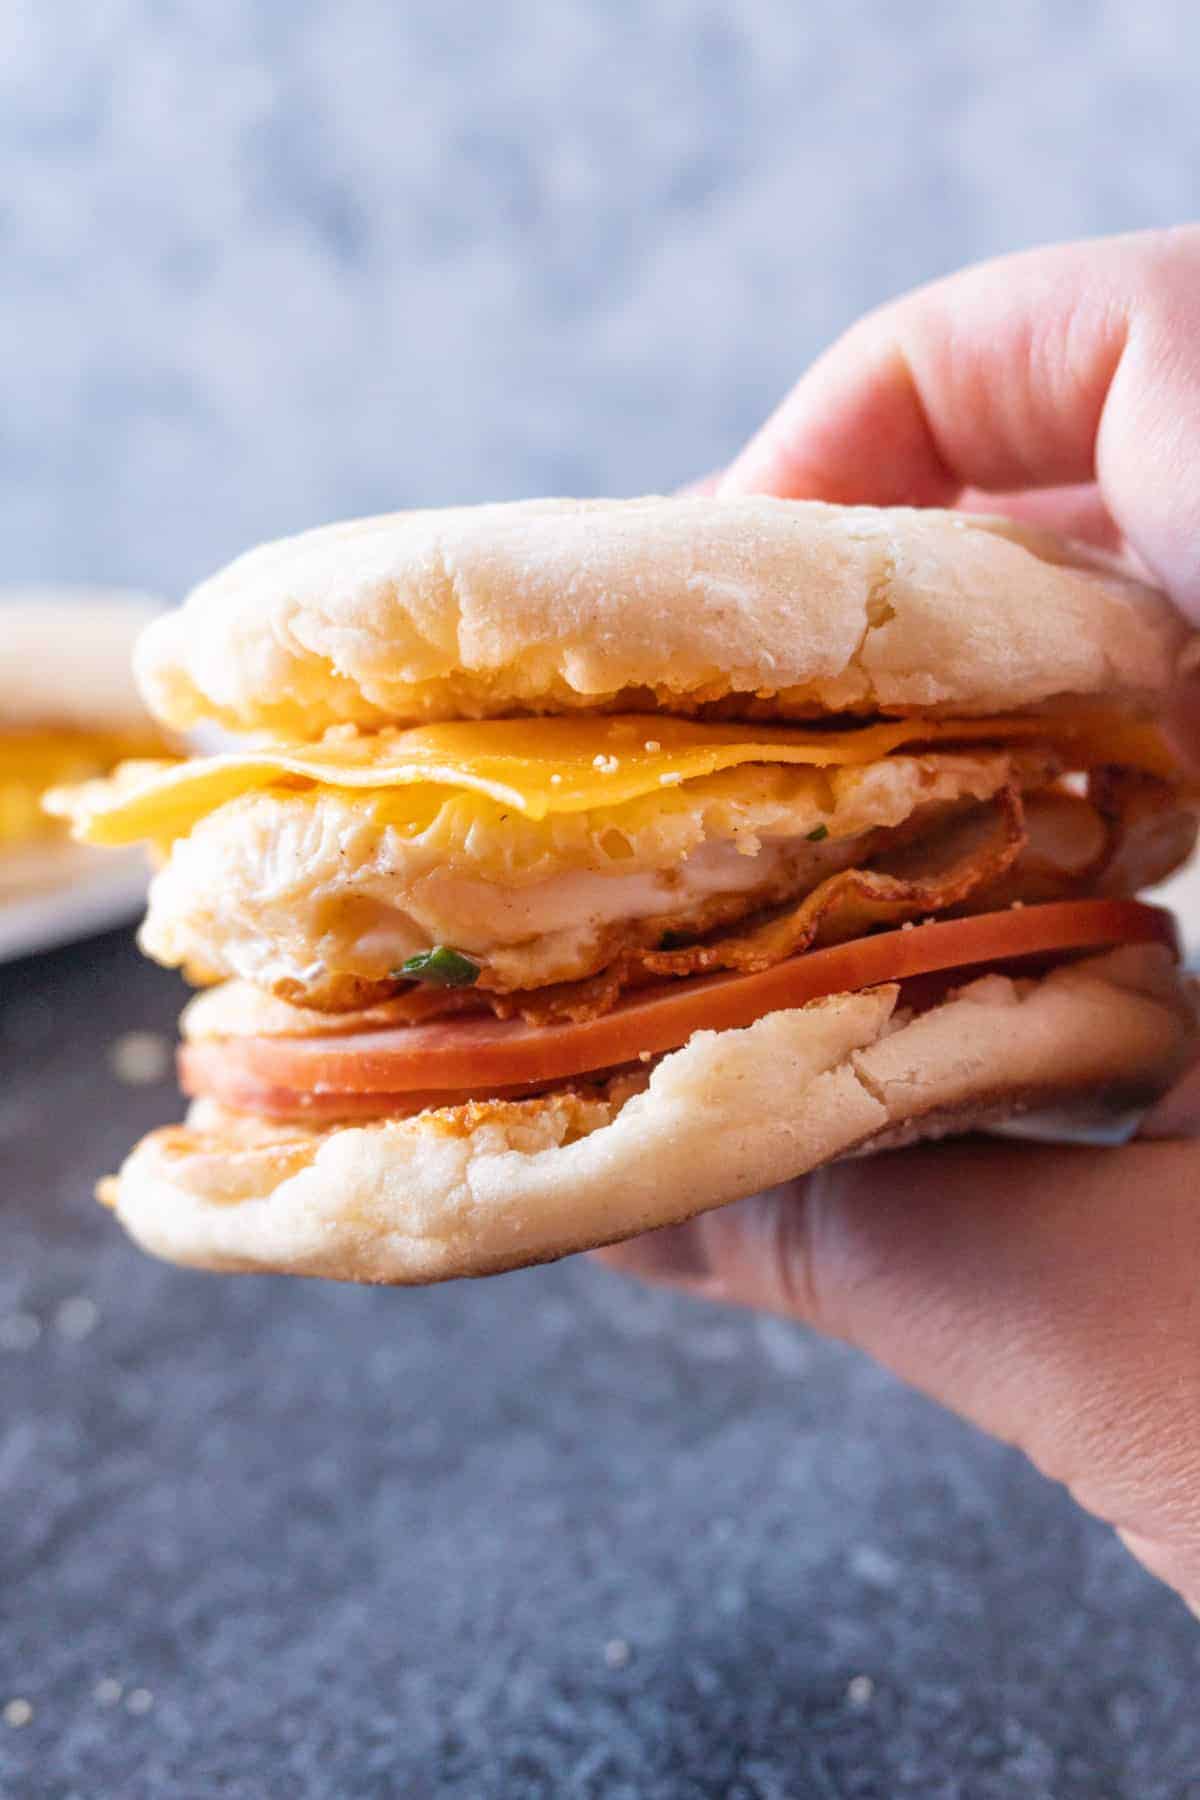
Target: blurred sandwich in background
{"points": [[69, 710]]}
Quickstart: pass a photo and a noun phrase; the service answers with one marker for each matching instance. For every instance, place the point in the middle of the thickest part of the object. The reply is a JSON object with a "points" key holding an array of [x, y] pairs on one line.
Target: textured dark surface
{"points": [[544, 1535]]}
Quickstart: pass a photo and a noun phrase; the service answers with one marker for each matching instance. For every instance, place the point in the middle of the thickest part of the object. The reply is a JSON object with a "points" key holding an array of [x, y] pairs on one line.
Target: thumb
{"points": [[1065, 365], [1050, 1296]]}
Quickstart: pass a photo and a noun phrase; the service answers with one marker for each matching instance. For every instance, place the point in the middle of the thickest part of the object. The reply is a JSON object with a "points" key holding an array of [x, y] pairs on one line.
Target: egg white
{"points": [[321, 894]]}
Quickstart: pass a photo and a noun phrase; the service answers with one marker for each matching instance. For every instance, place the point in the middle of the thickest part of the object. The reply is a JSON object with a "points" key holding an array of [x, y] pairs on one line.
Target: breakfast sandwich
{"points": [[69, 710], [585, 865]]}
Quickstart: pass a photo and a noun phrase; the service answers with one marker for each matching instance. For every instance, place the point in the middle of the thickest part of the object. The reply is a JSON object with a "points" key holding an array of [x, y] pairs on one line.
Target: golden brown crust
{"points": [[472, 1191], [778, 607]]}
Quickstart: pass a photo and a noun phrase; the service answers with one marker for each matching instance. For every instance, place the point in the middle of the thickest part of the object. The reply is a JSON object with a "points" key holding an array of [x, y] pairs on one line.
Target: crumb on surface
{"points": [[860, 1690], [139, 1058], [76, 1316]]}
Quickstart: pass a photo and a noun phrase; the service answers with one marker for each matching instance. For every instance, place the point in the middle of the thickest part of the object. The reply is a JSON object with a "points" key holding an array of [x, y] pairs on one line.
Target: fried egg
{"points": [[321, 895]]}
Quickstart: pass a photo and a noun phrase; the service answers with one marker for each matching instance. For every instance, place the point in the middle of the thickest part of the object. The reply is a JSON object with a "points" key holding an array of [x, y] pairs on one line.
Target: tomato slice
{"points": [[475, 1055]]}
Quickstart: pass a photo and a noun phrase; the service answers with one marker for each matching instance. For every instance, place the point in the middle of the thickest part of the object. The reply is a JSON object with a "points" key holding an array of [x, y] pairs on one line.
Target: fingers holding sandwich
{"points": [[1037, 1292], [1052, 367], [1047, 1295]]}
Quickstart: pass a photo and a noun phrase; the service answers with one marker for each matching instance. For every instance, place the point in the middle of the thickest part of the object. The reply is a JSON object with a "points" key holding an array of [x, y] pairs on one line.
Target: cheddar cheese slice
{"points": [[546, 766]]}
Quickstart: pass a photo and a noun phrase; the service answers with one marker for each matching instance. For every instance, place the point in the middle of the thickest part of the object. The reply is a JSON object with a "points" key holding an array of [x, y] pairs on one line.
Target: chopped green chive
{"points": [[818, 834], [442, 966]]}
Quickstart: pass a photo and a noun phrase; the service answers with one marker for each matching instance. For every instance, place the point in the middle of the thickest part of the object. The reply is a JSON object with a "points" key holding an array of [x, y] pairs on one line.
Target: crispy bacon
{"points": [[235, 1009], [1151, 824], [969, 853], [1127, 832], [489, 1064]]}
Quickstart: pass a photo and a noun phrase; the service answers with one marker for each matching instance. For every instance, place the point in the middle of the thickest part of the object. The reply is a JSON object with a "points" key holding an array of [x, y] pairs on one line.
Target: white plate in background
{"points": [[66, 658], [97, 898]]}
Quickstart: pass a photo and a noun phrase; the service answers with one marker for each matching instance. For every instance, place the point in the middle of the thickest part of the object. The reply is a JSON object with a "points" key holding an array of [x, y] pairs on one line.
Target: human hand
{"points": [[1049, 1295]]}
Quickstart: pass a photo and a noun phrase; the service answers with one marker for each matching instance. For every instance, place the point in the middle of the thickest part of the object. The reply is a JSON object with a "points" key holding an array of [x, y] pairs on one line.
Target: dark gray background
{"points": [[359, 1542], [261, 265]]}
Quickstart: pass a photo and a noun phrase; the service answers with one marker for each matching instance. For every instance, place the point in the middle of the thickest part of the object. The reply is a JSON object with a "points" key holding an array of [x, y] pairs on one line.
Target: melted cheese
{"points": [[306, 891], [546, 766]]}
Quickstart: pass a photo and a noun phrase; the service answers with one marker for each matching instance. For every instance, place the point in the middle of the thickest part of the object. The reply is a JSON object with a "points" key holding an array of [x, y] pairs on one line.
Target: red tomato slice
{"points": [[405, 1068]]}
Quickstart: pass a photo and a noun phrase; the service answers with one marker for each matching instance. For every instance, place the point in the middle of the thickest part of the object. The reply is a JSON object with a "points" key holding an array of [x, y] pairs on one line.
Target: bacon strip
{"points": [[847, 905], [388, 1073], [1143, 828]]}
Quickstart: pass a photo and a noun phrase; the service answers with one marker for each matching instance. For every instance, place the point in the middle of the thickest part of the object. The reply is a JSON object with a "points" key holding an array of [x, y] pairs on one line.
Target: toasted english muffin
{"points": [[777, 608]]}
